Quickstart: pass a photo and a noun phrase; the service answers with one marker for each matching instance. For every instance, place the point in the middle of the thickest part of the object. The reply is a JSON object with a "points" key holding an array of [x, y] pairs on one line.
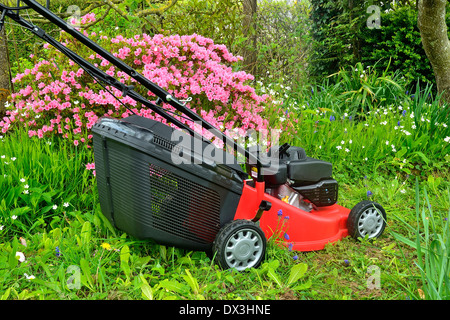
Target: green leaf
{"points": [[230, 279], [6, 294], [20, 211], [88, 281], [124, 258], [424, 157], [172, 285], [105, 220], [303, 286], [13, 260], [401, 153], [272, 275], [159, 269], [405, 240], [297, 272], [86, 233], [47, 197], [147, 291], [46, 209], [191, 281], [125, 254]]}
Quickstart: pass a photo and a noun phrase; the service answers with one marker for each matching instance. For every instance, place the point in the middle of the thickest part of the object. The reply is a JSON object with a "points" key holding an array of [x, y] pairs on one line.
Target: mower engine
{"points": [[299, 180]]}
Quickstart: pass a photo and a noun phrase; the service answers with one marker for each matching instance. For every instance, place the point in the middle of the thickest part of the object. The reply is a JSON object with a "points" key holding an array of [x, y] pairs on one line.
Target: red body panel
{"points": [[299, 229]]}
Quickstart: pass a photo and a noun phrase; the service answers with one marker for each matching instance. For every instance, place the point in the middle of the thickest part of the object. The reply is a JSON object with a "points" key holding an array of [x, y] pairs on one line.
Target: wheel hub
{"points": [[243, 249], [370, 223]]}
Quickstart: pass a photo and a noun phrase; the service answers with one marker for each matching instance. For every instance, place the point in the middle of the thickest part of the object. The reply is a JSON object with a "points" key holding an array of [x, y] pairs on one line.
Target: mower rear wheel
{"points": [[367, 218], [240, 244]]}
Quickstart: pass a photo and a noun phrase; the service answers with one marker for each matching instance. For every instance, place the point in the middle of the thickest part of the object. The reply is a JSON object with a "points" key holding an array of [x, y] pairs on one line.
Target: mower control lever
{"points": [[282, 150], [263, 206]]}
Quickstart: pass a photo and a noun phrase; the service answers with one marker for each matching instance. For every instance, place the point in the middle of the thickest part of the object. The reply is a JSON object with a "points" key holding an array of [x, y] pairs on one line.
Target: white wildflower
{"points": [[21, 256], [29, 277]]}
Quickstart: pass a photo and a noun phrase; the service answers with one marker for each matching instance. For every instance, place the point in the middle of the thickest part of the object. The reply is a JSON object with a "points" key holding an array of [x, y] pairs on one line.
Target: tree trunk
{"points": [[249, 30], [433, 31], [4, 72]]}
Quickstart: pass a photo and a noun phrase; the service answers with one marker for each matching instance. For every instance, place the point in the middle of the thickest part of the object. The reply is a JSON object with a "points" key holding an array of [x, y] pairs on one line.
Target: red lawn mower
{"points": [[179, 189]]}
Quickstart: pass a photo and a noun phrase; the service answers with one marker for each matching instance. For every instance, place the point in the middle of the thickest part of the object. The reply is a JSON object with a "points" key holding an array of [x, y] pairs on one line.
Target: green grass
{"points": [[396, 154], [49, 212]]}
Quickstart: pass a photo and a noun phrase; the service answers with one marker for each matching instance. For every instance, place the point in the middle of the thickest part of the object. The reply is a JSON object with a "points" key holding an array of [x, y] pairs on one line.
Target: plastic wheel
{"points": [[367, 218], [240, 244]]}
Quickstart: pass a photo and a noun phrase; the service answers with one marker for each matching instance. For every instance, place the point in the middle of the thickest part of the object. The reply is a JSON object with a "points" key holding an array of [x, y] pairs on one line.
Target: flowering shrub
{"points": [[57, 97]]}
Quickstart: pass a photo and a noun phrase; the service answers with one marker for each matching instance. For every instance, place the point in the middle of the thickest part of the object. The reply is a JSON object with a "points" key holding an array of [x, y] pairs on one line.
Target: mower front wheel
{"points": [[366, 219], [240, 244]]}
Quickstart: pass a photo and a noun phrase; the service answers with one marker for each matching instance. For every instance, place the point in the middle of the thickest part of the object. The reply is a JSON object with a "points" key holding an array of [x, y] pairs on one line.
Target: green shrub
{"points": [[398, 44], [336, 28], [341, 37]]}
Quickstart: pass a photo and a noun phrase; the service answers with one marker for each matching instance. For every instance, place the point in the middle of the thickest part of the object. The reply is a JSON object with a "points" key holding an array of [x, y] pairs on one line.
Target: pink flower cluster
{"points": [[58, 97]]}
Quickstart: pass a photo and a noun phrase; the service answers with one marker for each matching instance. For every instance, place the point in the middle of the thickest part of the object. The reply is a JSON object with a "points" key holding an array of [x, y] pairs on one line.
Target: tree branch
{"points": [[159, 10], [116, 8]]}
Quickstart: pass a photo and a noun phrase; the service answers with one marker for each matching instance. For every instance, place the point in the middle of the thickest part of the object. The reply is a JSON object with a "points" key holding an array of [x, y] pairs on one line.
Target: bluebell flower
{"points": [[286, 236], [295, 257], [332, 118], [280, 212], [57, 252], [369, 193]]}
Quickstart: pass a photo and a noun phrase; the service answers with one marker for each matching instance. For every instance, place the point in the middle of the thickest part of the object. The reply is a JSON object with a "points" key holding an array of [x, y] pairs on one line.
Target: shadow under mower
{"points": [[173, 186]]}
